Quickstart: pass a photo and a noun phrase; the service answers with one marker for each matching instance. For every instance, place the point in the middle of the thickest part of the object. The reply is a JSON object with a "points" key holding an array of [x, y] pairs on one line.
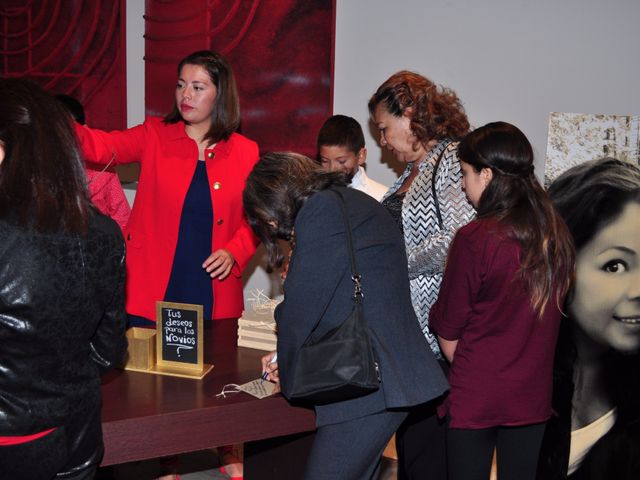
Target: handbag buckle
{"points": [[357, 292]]}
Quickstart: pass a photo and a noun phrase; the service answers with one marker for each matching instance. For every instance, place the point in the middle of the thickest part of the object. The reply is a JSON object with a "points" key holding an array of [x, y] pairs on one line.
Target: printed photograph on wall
{"points": [[593, 179], [578, 137]]}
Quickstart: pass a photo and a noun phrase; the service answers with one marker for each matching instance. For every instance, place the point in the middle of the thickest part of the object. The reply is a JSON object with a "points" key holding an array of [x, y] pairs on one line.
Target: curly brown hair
{"points": [[435, 112]]}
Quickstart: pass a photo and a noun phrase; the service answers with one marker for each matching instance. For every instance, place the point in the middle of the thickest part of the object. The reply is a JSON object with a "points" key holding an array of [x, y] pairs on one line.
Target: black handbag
{"points": [[341, 364]]}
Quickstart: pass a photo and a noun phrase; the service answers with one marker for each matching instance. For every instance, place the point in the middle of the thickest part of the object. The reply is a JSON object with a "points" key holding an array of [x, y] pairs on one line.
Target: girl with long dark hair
{"points": [[498, 312], [62, 317]]}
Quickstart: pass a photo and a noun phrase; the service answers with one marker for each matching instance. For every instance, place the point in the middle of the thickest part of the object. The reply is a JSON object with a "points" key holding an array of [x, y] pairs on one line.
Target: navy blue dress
{"points": [[189, 282]]}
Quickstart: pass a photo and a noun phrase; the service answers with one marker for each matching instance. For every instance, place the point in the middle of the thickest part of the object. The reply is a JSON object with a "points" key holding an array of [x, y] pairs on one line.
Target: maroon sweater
{"points": [[503, 363]]}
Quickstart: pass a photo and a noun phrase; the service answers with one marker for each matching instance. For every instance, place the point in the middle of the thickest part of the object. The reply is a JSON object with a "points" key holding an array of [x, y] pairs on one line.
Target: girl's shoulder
{"points": [[487, 232], [489, 226], [479, 227]]}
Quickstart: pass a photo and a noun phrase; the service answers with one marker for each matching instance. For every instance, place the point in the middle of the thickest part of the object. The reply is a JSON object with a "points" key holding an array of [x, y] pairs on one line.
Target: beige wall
{"points": [[511, 60]]}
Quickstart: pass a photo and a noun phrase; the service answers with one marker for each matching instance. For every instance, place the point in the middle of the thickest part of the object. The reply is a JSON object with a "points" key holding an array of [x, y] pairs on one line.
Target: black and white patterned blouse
{"points": [[427, 244]]}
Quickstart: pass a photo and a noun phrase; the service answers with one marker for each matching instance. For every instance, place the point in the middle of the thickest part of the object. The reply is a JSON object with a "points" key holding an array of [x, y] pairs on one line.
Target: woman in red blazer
{"points": [[187, 239]]}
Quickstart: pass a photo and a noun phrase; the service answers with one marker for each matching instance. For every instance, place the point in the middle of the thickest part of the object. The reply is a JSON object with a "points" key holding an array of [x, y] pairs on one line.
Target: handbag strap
{"points": [[433, 187], [355, 276]]}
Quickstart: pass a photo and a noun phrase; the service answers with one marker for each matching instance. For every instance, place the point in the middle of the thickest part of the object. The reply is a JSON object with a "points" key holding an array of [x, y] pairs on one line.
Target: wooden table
{"points": [[148, 416]]}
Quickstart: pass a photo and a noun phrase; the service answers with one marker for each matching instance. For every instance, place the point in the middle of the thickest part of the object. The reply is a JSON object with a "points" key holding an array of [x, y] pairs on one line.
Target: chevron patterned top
{"points": [[427, 245]]}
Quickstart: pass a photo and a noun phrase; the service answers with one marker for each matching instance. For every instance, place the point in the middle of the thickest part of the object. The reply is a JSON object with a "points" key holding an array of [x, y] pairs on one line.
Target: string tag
{"points": [[232, 388], [258, 388]]}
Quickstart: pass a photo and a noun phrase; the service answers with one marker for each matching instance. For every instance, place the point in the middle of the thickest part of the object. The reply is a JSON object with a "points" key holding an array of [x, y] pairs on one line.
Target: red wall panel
{"points": [[69, 46]]}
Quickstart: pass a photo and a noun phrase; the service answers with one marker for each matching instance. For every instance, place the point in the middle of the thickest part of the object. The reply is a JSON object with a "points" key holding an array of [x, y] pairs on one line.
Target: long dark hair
{"points": [[42, 179], [436, 113], [515, 198], [225, 118], [276, 189]]}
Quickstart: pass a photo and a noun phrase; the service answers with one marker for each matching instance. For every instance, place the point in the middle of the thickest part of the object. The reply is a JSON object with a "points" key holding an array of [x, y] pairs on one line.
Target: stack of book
{"points": [[257, 330], [256, 327]]}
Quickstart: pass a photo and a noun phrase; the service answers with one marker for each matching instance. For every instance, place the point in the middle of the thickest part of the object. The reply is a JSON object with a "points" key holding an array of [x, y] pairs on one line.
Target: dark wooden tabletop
{"points": [[148, 416]]}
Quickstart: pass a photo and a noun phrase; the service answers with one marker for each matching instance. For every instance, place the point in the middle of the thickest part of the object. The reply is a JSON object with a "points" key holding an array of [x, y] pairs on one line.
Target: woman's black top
{"points": [[393, 204]]}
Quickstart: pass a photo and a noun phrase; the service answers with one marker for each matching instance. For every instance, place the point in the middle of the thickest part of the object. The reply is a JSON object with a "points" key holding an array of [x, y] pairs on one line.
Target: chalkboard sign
{"points": [[179, 335]]}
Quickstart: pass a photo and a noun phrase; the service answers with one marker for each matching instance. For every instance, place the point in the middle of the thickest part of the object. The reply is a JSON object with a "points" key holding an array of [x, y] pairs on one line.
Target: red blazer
{"points": [[168, 159]]}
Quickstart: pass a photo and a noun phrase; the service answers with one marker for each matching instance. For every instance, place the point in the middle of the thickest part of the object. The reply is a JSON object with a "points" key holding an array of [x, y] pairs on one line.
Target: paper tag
{"points": [[258, 388]]}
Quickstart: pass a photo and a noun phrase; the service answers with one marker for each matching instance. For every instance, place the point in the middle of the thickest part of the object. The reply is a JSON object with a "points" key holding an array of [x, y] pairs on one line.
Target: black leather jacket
{"points": [[62, 322]]}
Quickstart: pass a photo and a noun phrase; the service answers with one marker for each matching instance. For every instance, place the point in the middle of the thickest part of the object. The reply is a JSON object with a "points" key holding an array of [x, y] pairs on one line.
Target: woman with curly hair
{"points": [[421, 124]]}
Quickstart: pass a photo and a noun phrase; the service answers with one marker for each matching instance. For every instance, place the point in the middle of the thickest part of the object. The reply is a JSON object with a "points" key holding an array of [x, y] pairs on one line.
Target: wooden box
{"points": [[142, 349]]}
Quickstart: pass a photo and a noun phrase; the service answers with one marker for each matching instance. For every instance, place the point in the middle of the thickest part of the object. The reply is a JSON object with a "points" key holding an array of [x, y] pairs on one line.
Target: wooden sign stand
{"points": [[179, 348], [178, 342]]}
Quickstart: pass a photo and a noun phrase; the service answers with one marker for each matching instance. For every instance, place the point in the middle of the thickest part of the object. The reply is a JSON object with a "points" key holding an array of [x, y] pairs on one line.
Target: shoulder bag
{"points": [[341, 364]]}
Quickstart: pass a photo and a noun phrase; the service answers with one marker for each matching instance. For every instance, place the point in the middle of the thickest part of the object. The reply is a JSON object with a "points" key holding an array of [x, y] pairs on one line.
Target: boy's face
{"points": [[337, 158]]}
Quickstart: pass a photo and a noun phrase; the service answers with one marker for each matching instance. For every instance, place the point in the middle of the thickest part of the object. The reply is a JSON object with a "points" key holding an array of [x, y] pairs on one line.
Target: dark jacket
{"points": [[319, 290], [62, 322]]}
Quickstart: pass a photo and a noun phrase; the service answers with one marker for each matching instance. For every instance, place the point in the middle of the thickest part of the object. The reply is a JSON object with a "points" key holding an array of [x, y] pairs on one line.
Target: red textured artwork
{"points": [[72, 47], [280, 50]]}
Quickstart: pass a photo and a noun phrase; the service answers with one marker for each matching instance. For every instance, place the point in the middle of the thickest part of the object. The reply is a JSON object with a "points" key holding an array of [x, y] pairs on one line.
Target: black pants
{"points": [[72, 451], [421, 445], [469, 452], [421, 442]]}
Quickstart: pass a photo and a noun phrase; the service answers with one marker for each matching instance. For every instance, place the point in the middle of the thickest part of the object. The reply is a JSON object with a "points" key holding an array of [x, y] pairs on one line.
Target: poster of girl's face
{"points": [[606, 296], [605, 302], [593, 177]]}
